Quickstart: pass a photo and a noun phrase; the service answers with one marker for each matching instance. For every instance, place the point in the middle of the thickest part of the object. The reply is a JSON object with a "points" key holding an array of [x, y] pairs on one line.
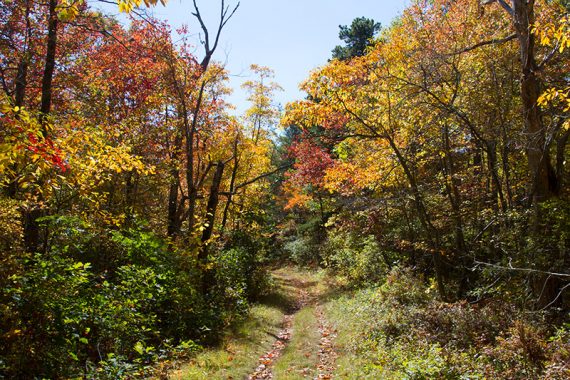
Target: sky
{"points": [[292, 37]]}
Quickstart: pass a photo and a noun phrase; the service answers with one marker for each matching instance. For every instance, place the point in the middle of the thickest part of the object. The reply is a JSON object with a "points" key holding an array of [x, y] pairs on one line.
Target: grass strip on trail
{"points": [[246, 346], [299, 360], [240, 352]]}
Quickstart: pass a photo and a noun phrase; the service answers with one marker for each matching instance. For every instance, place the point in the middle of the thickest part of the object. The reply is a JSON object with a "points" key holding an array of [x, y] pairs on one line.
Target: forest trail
{"points": [[287, 336]]}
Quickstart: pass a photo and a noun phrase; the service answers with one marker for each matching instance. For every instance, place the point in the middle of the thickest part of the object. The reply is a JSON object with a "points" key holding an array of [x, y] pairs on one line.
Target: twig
{"points": [[527, 270]]}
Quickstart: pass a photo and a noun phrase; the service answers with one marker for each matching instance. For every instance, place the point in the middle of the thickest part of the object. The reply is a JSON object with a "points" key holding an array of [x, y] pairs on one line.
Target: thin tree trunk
{"points": [[190, 134], [497, 188], [212, 205], [232, 184], [49, 62], [31, 225], [21, 83], [208, 277], [506, 168], [431, 231], [173, 228]]}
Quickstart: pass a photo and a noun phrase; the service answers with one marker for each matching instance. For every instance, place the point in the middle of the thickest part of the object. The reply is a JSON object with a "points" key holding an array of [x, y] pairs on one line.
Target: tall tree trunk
{"points": [[208, 274], [455, 200], [190, 135], [506, 167], [31, 225], [542, 175], [173, 227], [49, 68], [496, 186], [544, 182], [232, 184], [21, 83], [22, 73], [212, 204], [432, 234]]}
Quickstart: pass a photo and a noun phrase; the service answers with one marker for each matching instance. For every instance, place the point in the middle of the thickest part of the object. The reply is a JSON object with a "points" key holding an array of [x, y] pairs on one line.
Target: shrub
{"points": [[359, 260], [302, 250], [63, 316]]}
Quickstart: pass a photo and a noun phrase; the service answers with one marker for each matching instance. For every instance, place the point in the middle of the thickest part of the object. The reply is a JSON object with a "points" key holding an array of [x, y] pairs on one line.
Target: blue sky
{"points": [[290, 36]]}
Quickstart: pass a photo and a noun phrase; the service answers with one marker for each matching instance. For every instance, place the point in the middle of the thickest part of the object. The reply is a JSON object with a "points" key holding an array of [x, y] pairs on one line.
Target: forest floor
{"points": [[312, 326], [286, 336]]}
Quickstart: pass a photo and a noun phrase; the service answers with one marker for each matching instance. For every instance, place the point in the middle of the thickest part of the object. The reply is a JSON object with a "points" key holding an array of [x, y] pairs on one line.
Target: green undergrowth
{"points": [[399, 330], [239, 353]]}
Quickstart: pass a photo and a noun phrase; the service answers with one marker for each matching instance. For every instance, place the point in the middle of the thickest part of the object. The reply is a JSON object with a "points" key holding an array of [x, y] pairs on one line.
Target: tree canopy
{"points": [[356, 37]]}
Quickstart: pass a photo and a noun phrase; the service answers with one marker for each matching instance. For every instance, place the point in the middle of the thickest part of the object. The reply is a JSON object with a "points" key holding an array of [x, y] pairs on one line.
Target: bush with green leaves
{"points": [[45, 304], [68, 313], [358, 259], [302, 250], [400, 330]]}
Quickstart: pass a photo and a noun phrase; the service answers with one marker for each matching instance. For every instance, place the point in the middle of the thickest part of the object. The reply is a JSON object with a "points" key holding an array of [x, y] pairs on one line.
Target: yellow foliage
{"points": [[555, 34], [127, 6]]}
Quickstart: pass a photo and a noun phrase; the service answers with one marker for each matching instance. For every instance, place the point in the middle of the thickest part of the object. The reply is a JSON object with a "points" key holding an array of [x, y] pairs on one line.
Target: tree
{"points": [[357, 37], [427, 126], [543, 177]]}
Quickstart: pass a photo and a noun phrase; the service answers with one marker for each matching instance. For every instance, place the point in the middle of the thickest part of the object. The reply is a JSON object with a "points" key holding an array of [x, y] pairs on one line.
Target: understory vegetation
{"points": [[400, 330], [420, 189]]}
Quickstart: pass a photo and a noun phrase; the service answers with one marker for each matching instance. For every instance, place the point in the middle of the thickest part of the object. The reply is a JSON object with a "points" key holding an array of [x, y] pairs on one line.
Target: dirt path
{"points": [[264, 369], [327, 352], [285, 337], [306, 296]]}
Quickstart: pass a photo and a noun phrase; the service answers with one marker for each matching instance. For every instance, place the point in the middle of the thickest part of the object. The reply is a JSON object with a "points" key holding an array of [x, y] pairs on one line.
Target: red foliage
{"points": [[312, 163]]}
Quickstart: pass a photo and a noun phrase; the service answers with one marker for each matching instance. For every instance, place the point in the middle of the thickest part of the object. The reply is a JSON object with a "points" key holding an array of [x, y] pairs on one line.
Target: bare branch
{"points": [[225, 16], [503, 4], [515, 269], [264, 175], [557, 297], [198, 16], [549, 57], [485, 43]]}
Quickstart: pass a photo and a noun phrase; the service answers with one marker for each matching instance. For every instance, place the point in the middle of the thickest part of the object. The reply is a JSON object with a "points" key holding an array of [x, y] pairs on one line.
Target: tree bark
{"points": [[208, 276], [173, 228], [31, 225], [212, 206], [22, 73], [49, 68], [232, 184], [543, 178]]}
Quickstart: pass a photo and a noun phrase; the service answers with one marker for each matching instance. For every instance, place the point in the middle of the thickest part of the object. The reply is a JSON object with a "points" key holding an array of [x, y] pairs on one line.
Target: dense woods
{"points": [[425, 171]]}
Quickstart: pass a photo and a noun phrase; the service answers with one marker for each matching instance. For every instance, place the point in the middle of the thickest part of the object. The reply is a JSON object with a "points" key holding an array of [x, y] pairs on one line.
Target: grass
{"points": [[391, 331], [239, 353], [343, 313], [299, 359]]}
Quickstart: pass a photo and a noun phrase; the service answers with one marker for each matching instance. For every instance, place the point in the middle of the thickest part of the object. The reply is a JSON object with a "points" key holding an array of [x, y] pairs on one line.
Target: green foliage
{"points": [[252, 253], [401, 331], [357, 38], [73, 318], [358, 259], [302, 250], [43, 308], [302, 241], [233, 267]]}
